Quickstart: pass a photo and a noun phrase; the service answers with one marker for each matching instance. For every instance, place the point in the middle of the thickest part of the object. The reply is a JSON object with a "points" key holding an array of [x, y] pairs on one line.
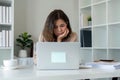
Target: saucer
{"points": [[9, 68]]}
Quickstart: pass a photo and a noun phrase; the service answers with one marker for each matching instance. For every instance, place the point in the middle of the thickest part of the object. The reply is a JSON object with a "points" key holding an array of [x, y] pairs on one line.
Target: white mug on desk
{"points": [[10, 63]]}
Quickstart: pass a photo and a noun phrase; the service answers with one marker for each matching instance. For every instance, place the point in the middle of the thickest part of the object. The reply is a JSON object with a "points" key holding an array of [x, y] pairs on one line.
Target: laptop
{"points": [[55, 55]]}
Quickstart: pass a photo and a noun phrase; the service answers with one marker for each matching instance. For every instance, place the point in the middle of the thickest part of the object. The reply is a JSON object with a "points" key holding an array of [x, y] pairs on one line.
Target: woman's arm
{"points": [[34, 58], [40, 39]]}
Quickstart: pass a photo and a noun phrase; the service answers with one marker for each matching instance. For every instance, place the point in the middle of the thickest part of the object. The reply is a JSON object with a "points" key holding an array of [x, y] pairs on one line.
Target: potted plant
{"points": [[89, 21], [24, 41]]}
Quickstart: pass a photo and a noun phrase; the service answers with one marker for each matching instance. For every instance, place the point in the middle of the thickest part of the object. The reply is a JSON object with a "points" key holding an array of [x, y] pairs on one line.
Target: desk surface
{"points": [[31, 73]]}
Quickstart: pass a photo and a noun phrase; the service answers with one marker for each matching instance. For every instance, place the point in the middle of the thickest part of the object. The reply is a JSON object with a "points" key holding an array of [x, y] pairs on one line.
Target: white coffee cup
{"points": [[10, 63]]}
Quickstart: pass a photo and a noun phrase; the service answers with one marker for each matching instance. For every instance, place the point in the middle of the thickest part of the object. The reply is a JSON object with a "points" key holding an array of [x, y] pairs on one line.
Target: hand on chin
{"points": [[63, 35]]}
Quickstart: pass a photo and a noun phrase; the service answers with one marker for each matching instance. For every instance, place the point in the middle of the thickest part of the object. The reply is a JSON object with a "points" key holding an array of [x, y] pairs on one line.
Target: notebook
{"points": [[55, 55]]}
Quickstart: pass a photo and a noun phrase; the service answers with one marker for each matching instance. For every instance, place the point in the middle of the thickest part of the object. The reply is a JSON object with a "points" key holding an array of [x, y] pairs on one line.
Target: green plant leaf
{"points": [[24, 40]]}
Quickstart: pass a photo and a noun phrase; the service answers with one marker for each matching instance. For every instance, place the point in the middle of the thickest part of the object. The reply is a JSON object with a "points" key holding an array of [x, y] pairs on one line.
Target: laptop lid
{"points": [[55, 55]]}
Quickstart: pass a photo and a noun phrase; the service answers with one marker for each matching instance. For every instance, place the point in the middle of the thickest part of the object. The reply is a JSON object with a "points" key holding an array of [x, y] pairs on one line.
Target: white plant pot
{"points": [[23, 53], [89, 23]]}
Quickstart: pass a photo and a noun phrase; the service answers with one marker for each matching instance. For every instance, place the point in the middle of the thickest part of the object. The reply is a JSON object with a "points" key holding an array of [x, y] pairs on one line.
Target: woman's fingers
{"points": [[60, 37]]}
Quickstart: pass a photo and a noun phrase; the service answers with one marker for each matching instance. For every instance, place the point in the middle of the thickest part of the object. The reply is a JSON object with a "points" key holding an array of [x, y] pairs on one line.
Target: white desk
{"points": [[33, 74]]}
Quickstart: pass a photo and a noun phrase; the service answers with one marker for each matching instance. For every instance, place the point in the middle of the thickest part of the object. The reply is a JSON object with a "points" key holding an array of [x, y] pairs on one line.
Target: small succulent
{"points": [[89, 18]]}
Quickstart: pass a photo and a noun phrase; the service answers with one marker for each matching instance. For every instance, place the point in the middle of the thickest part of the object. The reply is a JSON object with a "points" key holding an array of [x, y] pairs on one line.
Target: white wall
{"points": [[30, 15], [20, 21], [38, 10]]}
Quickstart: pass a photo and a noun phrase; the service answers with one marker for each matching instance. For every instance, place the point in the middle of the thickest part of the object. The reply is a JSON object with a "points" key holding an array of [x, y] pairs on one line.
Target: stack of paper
{"points": [[105, 65]]}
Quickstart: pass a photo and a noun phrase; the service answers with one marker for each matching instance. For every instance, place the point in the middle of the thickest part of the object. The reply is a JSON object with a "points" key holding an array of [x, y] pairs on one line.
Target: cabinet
{"points": [[105, 29], [6, 29]]}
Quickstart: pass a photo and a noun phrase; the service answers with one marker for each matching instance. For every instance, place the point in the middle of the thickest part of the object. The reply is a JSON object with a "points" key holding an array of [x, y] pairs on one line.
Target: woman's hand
{"points": [[60, 37]]}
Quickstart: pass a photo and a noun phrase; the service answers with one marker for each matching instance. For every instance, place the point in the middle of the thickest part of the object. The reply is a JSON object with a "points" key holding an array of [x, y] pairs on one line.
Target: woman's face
{"points": [[60, 27]]}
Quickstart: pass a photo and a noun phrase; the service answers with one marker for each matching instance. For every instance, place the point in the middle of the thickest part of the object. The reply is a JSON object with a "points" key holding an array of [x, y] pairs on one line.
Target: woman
{"points": [[57, 29]]}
